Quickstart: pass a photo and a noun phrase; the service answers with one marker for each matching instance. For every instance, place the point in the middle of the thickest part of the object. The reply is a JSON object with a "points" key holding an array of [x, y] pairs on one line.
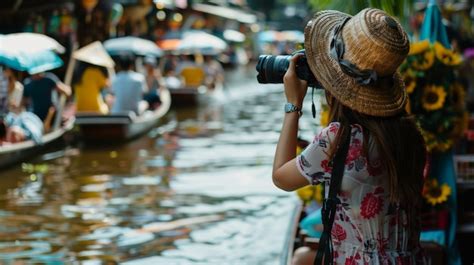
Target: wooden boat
{"points": [[295, 238], [192, 96], [18, 152], [121, 127]]}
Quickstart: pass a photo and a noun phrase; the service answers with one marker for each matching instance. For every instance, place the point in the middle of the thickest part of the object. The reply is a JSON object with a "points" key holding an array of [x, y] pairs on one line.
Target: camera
{"points": [[271, 69]]}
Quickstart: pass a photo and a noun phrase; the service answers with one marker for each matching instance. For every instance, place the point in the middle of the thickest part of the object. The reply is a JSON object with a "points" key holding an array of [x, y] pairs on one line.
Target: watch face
{"points": [[290, 107]]}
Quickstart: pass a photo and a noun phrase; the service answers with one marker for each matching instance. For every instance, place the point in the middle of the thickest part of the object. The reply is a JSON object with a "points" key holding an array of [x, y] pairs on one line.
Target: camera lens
{"points": [[271, 69]]}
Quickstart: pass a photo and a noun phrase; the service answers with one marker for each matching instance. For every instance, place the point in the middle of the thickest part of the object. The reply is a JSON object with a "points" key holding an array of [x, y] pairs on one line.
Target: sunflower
{"points": [[433, 97], [310, 192], [430, 140], [299, 150], [419, 47], [408, 106], [324, 120], [443, 145], [435, 193], [424, 61], [446, 56], [410, 84]]}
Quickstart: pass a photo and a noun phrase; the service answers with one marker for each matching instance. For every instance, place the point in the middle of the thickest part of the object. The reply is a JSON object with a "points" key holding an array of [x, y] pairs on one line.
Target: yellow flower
{"points": [[419, 47], [430, 140], [447, 56], [408, 106], [425, 60], [433, 98], [299, 150], [435, 193], [309, 193], [443, 146], [410, 84], [324, 120]]}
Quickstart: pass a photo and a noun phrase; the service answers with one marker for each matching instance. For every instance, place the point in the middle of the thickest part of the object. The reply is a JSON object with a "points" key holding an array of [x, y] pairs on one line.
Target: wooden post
{"points": [[67, 81]]}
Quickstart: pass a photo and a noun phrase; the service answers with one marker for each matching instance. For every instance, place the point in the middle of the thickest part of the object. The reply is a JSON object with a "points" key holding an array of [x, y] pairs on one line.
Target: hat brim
{"points": [[375, 100]]}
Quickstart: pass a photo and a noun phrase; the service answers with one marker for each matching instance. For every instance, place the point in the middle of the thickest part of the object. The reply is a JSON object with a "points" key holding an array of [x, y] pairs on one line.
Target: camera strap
{"points": [[313, 107], [325, 248]]}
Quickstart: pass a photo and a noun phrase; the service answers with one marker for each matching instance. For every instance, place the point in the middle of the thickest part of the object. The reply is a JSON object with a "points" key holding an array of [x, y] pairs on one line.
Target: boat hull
{"points": [[20, 152], [122, 127]]}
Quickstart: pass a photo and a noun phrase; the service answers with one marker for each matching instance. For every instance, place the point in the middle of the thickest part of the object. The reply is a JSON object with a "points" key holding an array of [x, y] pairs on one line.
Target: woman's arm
{"points": [[285, 173]]}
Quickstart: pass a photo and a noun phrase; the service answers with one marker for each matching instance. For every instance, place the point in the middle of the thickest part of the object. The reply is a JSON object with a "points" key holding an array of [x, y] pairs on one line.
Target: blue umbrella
{"points": [[433, 28], [31, 62], [133, 45]]}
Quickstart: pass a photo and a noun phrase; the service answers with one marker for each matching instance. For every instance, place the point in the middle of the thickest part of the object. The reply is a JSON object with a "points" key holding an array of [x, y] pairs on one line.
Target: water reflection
{"points": [[195, 190]]}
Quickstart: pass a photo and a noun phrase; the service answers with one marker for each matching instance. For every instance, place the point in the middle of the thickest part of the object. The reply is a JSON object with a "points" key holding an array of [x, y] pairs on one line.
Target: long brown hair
{"points": [[399, 144]]}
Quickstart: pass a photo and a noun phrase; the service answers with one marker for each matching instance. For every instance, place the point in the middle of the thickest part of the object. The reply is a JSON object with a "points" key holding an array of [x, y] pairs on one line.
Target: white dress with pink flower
{"points": [[367, 228]]}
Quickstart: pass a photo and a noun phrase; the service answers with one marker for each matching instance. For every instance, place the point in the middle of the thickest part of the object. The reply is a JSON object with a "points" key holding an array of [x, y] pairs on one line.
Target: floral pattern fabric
{"points": [[367, 228]]}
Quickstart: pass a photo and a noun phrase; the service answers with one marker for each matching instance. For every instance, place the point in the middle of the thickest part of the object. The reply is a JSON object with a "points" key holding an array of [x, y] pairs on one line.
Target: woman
{"points": [[355, 59], [15, 91], [154, 83], [88, 89]]}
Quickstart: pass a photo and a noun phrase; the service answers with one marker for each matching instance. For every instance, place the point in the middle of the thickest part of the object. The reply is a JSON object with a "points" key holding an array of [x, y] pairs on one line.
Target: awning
{"points": [[226, 12]]}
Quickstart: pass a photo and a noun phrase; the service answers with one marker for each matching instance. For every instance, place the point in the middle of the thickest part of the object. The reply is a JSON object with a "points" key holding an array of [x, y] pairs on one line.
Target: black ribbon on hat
{"points": [[362, 77]]}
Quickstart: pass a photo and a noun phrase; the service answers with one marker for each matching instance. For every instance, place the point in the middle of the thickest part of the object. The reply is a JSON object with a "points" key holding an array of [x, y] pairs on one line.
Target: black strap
{"points": [[329, 206], [338, 48]]}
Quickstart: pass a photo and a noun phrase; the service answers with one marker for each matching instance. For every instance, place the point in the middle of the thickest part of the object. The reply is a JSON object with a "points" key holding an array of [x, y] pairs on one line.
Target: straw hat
{"points": [[356, 59]]}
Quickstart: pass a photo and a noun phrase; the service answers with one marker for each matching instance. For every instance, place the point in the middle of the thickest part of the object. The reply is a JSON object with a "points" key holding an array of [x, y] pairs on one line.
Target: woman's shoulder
{"points": [[333, 128]]}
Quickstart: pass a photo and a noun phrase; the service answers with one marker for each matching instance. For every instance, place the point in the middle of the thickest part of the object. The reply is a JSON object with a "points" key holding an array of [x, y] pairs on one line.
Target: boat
{"points": [[19, 152], [192, 96], [295, 238], [121, 127]]}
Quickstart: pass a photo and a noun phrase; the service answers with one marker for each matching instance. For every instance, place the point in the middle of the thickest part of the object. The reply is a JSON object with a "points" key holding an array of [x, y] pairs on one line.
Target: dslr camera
{"points": [[271, 69]]}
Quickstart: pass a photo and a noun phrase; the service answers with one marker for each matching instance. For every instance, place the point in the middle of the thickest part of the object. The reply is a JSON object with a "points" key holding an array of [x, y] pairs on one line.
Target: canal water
{"points": [[196, 190]]}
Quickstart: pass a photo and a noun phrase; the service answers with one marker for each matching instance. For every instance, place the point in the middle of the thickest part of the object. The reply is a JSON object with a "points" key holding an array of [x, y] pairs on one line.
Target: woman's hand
{"points": [[295, 88]]}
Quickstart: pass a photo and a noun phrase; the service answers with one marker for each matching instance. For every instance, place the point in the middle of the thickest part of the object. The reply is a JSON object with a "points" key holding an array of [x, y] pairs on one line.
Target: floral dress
{"points": [[367, 228]]}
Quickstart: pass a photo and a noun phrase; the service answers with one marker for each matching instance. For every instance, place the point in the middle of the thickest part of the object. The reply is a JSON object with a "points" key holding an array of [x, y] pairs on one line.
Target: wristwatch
{"points": [[292, 108]]}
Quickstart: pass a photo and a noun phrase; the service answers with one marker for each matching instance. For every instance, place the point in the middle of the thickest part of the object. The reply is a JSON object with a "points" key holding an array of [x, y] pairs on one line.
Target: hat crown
{"points": [[374, 40]]}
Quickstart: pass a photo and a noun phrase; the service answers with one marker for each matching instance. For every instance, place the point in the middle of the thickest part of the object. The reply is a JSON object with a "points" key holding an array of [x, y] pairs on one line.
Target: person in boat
{"points": [[15, 91], [128, 88], [89, 86], [214, 71], [15, 128], [38, 95], [3, 91], [193, 74], [154, 82], [170, 78], [355, 60]]}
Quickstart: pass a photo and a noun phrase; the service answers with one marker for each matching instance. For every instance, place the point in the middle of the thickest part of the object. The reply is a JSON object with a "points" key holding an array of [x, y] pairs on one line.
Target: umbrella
{"points": [[31, 52], [29, 42], [195, 41], [134, 45], [234, 35], [433, 28], [95, 54], [32, 62]]}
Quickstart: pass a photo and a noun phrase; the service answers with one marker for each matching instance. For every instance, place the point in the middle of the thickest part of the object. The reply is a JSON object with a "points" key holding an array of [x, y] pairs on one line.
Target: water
{"points": [[195, 190]]}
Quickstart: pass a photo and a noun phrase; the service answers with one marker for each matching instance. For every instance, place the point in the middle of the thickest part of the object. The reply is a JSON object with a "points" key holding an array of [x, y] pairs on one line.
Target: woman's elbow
{"points": [[280, 183]]}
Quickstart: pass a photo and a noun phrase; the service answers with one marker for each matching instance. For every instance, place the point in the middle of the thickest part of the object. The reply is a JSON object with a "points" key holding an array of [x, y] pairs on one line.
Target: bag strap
{"points": [[329, 206]]}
